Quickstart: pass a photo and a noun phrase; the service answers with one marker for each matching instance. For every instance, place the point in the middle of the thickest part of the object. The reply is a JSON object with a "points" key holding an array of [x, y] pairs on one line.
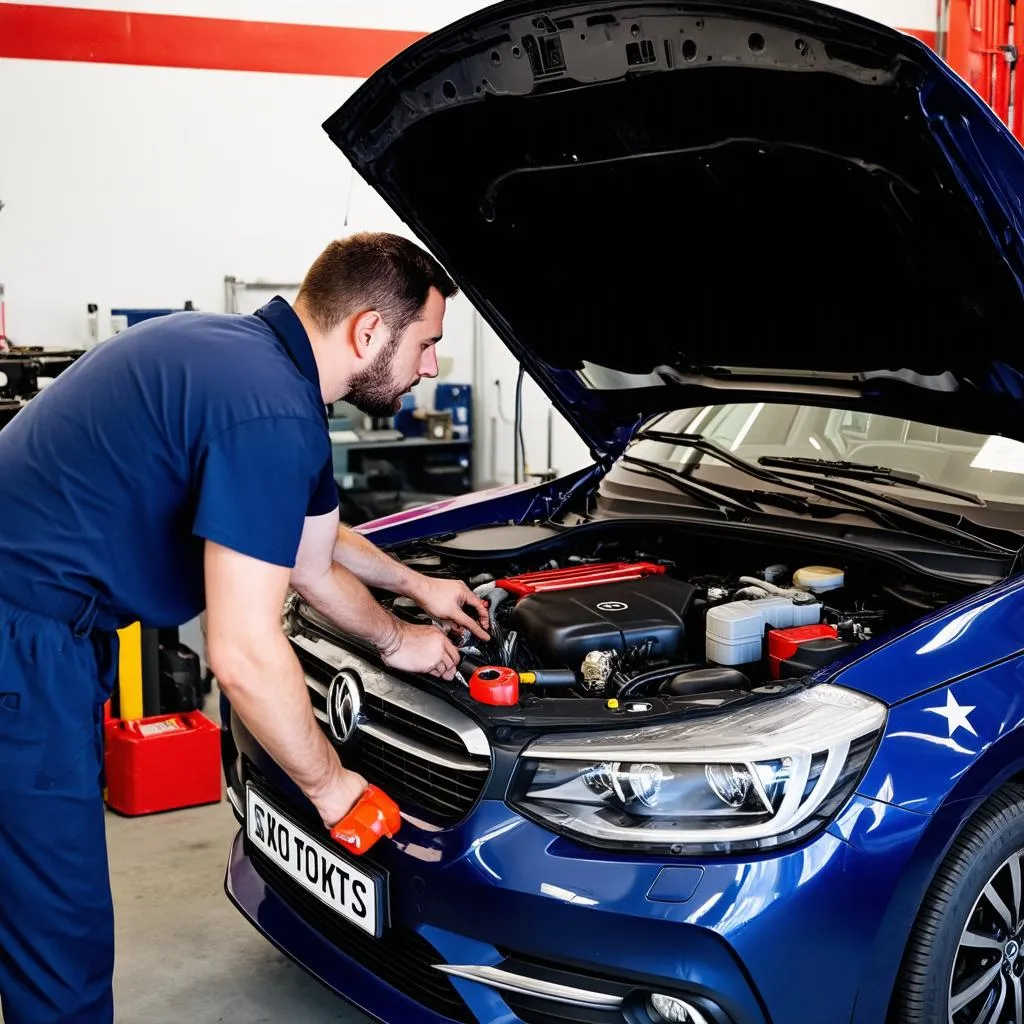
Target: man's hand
{"points": [[423, 649], [445, 600], [339, 797]]}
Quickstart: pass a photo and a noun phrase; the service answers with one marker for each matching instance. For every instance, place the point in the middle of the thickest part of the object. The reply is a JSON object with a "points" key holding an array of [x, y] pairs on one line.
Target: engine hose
{"points": [[657, 675], [494, 600], [469, 663], [771, 588]]}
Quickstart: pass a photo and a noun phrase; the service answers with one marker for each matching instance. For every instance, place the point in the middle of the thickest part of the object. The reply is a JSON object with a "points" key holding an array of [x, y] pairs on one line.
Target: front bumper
{"points": [[775, 939]]}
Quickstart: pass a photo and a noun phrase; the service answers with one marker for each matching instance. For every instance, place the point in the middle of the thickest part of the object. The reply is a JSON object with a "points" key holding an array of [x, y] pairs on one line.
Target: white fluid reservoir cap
{"points": [[818, 578]]}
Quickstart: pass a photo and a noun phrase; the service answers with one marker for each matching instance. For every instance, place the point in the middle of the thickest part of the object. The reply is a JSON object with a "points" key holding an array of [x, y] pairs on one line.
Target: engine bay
{"points": [[617, 623]]}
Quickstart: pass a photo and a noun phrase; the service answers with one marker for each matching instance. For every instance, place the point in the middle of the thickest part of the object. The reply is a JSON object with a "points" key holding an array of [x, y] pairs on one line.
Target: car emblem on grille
{"points": [[612, 606], [344, 706]]}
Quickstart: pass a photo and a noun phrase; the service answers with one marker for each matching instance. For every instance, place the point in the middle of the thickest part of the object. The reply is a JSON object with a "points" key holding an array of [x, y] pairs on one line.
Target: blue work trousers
{"points": [[56, 914]]}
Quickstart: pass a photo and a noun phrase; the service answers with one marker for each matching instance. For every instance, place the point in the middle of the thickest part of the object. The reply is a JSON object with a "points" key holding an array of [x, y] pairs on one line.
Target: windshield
{"points": [[990, 467]]}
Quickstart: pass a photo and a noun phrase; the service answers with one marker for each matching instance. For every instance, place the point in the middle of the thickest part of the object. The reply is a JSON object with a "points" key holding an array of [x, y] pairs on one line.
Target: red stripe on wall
{"points": [[168, 40], [34, 32]]}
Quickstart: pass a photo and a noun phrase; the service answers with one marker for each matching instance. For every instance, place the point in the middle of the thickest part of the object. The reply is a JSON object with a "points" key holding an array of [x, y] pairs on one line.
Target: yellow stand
{"points": [[129, 675], [129, 672]]}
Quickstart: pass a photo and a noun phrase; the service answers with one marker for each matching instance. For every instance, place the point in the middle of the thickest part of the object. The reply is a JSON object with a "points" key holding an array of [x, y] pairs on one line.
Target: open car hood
{"points": [[662, 205]]}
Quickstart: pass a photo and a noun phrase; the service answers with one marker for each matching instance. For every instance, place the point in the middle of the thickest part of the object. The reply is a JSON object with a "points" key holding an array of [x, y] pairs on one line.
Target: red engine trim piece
{"points": [[577, 576]]}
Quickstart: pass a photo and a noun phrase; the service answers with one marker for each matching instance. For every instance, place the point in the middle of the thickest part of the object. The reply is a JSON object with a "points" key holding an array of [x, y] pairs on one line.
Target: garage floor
{"points": [[183, 952]]}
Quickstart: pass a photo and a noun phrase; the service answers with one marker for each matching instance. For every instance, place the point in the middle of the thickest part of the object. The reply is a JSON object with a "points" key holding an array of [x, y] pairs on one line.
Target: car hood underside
{"points": [[767, 200]]}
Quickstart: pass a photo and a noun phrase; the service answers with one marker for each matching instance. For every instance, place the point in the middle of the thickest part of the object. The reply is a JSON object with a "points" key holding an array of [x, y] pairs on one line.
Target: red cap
{"points": [[495, 685], [374, 815]]}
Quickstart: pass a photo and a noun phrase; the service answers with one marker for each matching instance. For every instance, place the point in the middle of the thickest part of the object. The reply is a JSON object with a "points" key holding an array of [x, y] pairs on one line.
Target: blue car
{"points": [[746, 744]]}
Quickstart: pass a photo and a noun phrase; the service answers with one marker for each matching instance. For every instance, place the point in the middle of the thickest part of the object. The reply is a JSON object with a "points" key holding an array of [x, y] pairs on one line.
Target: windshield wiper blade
{"points": [[725, 499], [710, 496], [863, 471], [880, 506]]}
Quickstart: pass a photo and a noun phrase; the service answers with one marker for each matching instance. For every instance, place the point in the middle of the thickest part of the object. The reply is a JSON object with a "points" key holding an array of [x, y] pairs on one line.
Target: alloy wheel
{"points": [[987, 981]]}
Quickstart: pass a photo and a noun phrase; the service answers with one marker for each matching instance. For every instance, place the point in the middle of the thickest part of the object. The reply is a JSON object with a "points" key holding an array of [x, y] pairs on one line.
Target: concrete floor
{"points": [[183, 952]]}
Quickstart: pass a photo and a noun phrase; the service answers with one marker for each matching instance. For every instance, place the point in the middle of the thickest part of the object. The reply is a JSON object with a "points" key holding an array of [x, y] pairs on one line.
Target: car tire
{"points": [[972, 923]]}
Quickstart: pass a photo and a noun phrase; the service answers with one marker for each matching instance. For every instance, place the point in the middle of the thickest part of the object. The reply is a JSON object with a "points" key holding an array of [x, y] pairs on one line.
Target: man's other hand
{"points": [[446, 601], [424, 649], [339, 797]]}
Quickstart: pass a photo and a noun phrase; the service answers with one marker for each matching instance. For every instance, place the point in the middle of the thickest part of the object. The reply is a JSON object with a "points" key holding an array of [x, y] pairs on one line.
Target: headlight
{"points": [[747, 779]]}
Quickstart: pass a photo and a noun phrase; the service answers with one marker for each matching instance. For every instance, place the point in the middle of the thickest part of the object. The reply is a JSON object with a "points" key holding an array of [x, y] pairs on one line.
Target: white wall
{"points": [[145, 186], [138, 186]]}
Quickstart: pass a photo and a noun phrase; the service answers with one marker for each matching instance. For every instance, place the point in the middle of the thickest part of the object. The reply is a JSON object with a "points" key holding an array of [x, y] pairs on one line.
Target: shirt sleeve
{"points": [[256, 482], [325, 494]]}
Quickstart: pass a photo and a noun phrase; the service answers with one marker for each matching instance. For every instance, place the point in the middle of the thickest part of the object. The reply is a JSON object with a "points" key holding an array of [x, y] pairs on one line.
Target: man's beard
{"points": [[372, 390]]}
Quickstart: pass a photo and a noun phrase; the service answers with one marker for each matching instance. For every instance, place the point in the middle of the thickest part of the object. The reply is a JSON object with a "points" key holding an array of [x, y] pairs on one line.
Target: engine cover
{"points": [[577, 576], [562, 627]]}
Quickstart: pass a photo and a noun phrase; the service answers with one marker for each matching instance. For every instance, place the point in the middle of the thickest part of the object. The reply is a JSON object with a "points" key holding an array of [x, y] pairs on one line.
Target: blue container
{"points": [[458, 399], [406, 420]]}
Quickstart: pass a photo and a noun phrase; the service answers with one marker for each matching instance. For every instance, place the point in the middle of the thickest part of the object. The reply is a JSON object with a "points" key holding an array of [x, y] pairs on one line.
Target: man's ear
{"points": [[367, 330]]}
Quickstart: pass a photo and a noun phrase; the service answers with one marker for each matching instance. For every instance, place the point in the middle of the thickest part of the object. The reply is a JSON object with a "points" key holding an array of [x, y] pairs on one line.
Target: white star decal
{"points": [[955, 714]]}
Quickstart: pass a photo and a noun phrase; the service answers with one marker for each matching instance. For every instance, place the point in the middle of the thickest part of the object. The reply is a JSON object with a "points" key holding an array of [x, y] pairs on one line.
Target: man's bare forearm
{"points": [[363, 558], [267, 690], [340, 596]]}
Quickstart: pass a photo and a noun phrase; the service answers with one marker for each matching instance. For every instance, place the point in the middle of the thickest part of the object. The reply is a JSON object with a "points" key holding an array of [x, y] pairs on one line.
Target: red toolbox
{"points": [[162, 763]]}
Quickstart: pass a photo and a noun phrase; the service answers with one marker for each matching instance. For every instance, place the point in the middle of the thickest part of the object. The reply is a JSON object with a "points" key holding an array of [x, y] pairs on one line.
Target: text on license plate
{"points": [[318, 869]]}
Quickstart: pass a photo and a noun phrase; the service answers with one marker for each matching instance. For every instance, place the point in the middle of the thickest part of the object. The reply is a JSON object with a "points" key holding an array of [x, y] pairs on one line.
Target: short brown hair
{"points": [[372, 270]]}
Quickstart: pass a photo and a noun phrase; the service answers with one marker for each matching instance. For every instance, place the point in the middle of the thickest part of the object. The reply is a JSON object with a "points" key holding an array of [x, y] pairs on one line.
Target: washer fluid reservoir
{"points": [[818, 579]]}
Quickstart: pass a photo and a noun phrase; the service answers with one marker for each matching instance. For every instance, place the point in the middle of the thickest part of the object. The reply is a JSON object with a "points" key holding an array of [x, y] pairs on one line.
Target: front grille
{"points": [[402, 720], [447, 795], [401, 958], [420, 761]]}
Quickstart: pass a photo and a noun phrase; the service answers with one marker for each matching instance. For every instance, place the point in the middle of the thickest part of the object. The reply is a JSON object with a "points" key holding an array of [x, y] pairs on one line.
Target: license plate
{"points": [[350, 891]]}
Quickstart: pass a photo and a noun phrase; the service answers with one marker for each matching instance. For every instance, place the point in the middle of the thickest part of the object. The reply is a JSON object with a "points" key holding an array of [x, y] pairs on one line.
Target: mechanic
{"points": [[185, 463]]}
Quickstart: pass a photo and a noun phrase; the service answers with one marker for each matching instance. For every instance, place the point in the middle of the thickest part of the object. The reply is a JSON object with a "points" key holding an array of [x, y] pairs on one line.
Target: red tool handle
{"points": [[374, 815]]}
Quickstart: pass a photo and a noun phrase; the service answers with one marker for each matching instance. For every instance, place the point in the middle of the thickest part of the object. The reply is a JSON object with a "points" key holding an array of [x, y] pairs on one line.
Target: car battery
{"points": [[799, 651], [161, 763]]}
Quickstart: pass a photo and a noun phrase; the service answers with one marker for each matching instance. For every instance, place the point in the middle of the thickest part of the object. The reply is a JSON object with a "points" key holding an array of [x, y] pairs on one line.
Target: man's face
{"points": [[403, 361]]}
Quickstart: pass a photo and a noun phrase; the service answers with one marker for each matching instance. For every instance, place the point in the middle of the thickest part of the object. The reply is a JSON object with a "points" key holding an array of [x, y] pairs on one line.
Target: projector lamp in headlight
{"points": [[751, 778]]}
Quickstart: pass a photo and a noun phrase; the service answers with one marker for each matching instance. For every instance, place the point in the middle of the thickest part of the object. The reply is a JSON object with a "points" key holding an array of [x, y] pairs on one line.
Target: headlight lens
{"points": [[751, 778]]}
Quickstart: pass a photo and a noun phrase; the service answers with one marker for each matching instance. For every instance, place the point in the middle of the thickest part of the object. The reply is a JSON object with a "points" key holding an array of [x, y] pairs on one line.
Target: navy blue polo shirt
{"points": [[181, 429]]}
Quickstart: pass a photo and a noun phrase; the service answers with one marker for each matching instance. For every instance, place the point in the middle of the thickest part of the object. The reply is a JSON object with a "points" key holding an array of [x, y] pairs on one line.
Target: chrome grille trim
{"points": [[421, 750], [317, 686], [236, 802], [401, 695], [510, 982]]}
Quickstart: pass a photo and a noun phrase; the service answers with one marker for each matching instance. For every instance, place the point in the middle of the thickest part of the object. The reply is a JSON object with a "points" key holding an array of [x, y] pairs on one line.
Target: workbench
{"points": [[20, 371]]}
